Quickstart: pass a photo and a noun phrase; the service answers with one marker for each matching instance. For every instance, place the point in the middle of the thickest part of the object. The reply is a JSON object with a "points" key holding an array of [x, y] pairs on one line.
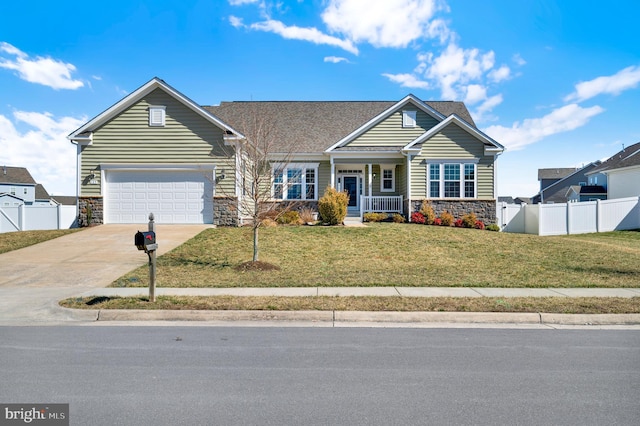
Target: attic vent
{"points": [[409, 118], [156, 115]]}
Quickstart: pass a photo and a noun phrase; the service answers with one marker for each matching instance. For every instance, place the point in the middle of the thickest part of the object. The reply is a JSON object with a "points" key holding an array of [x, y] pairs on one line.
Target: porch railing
{"points": [[389, 204]]}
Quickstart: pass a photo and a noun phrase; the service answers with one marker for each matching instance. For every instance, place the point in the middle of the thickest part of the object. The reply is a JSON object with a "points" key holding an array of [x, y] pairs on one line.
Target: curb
{"points": [[366, 317]]}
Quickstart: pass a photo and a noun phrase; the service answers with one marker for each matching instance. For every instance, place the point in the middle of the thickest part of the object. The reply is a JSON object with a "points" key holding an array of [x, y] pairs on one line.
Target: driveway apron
{"points": [[33, 279]]}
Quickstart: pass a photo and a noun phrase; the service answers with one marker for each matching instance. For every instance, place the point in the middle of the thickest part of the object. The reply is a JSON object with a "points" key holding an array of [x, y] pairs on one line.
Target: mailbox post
{"points": [[147, 241]]}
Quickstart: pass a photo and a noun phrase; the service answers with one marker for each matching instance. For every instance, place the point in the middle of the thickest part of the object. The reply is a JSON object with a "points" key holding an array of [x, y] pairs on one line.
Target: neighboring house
{"points": [[579, 193], [555, 189], [157, 151], [65, 200], [18, 182], [622, 173]]}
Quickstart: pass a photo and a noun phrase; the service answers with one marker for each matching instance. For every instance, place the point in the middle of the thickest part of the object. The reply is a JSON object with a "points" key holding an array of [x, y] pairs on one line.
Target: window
{"points": [[451, 180], [387, 179], [295, 182], [156, 115], [25, 191], [408, 118], [13, 191]]}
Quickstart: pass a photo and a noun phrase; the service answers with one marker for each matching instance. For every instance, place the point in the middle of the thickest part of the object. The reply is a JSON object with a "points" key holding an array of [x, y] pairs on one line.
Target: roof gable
{"points": [[81, 135], [493, 146]]}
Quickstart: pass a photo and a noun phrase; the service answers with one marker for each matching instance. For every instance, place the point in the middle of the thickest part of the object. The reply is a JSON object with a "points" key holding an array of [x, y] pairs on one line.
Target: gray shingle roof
{"points": [[41, 193], [16, 175], [630, 156], [314, 126], [557, 173]]}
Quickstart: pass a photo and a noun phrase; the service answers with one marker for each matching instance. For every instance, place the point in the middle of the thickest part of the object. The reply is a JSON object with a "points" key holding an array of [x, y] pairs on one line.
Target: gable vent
{"points": [[157, 115]]}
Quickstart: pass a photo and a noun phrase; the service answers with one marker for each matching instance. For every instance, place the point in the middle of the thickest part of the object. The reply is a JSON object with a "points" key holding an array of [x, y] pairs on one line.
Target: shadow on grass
{"points": [[603, 270]]}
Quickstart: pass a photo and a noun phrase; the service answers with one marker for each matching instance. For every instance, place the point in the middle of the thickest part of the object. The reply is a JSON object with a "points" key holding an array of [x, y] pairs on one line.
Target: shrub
{"points": [[493, 227], [458, 223], [268, 223], [333, 206], [446, 218], [417, 217], [479, 224], [469, 220], [375, 217], [427, 211], [398, 218], [290, 217], [437, 221]]}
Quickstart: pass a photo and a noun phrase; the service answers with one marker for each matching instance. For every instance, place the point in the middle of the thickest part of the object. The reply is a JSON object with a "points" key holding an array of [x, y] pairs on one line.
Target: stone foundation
{"points": [[225, 211], [91, 211], [485, 210]]}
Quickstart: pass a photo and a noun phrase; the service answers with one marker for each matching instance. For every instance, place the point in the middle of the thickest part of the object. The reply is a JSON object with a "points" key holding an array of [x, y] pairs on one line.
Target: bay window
{"points": [[451, 180]]}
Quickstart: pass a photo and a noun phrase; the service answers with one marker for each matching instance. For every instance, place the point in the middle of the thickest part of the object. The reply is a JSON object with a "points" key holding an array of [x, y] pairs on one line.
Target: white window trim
{"points": [[152, 117], [303, 180], [384, 167], [462, 180], [409, 118]]}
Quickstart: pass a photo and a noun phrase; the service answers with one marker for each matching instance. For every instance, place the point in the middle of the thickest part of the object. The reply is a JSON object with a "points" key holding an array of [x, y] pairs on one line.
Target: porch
{"points": [[382, 204]]}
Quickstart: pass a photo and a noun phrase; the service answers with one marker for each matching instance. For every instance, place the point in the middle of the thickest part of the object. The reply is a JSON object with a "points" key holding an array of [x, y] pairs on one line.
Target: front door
{"points": [[351, 186]]}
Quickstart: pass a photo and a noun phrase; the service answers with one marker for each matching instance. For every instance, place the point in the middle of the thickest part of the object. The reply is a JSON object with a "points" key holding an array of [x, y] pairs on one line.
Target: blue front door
{"points": [[351, 186]]}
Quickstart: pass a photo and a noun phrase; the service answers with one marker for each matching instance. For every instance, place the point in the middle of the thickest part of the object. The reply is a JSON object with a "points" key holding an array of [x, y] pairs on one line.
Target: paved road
{"points": [[275, 376], [34, 278]]}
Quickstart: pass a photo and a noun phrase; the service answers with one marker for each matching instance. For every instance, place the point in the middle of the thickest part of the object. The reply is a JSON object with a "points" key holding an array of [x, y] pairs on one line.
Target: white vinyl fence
{"points": [[570, 218], [31, 218]]}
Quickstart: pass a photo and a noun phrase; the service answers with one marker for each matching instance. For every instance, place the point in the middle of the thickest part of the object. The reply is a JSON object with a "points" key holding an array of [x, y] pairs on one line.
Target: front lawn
{"points": [[390, 254], [16, 240]]}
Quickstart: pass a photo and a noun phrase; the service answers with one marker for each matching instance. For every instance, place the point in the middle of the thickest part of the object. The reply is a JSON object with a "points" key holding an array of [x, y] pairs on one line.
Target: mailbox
{"points": [[145, 240]]}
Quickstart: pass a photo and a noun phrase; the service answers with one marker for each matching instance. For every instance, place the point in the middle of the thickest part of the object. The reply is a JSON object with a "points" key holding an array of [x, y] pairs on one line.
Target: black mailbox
{"points": [[145, 239]]}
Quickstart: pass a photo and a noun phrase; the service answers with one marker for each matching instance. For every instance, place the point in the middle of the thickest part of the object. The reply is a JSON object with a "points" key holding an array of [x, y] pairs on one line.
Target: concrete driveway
{"points": [[33, 279]]}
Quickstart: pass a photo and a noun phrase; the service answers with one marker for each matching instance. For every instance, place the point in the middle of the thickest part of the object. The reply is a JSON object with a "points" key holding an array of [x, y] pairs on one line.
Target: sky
{"points": [[557, 82]]}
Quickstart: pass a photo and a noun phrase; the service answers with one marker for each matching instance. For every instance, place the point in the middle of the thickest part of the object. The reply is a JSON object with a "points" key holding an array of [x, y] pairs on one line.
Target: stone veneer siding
{"points": [[95, 204], [485, 210], [225, 211]]}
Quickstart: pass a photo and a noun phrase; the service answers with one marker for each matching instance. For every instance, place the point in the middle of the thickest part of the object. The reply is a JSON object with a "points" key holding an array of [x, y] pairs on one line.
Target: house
{"points": [[555, 184], [18, 183], [158, 151], [621, 173], [579, 193]]}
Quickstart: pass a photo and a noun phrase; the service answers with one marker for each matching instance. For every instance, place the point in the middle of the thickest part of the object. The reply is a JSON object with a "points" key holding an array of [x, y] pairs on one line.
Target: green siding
{"points": [[187, 138], [452, 143], [390, 132]]}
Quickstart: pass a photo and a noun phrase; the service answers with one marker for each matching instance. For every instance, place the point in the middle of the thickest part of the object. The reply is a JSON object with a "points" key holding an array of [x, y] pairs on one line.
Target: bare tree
{"points": [[257, 161]]}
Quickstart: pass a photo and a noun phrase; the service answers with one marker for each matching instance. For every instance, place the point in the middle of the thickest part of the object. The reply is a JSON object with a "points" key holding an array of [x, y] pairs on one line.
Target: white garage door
{"points": [[172, 196]]}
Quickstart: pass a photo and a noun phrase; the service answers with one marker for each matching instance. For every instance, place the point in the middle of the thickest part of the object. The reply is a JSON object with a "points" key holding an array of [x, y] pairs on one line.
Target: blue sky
{"points": [[556, 82]]}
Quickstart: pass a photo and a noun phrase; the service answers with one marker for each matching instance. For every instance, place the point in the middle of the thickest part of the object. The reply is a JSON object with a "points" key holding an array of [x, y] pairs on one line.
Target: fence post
{"points": [[21, 217], [569, 218], [598, 215]]}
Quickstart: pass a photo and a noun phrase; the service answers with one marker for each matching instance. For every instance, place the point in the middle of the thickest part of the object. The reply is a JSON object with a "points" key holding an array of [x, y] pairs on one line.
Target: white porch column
{"points": [[333, 174], [409, 208], [370, 186]]}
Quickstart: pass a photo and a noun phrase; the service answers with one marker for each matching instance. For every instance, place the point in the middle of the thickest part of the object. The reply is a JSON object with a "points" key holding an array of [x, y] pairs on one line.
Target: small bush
{"points": [[479, 224], [398, 218], [469, 220], [437, 221], [446, 218], [493, 227], [290, 217], [268, 223], [427, 211], [375, 217], [333, 206], [458, 223], [417, 217], [307, 215]]}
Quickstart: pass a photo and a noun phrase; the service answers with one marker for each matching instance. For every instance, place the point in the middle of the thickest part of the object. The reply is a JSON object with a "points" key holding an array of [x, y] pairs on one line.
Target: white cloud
{"points": [[531, 130], [388, 23], [407, 80], [235, 21], [43, 148], [625, 79], [335, 59], [46, 71], [500, 74], [312, 35], [241, 2], [518, 60], [475, 94]]}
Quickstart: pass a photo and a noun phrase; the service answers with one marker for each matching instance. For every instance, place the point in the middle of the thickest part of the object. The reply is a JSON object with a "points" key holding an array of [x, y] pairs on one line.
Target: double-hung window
{"points": [[387, 179], [295, 182], [451, 180]]}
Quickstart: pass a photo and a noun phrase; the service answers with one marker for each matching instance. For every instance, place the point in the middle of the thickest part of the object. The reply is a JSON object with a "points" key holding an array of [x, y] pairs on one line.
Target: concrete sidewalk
{"points": [[371, 291]]}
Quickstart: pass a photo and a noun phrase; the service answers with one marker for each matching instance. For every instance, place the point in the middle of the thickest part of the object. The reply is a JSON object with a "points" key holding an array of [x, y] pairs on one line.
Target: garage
{"points": [[173, 196]]}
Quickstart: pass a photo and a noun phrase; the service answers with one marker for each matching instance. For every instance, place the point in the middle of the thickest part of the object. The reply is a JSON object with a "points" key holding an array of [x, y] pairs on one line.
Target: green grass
{"points": [[10, 241], [563, 305], [398, 255]]}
